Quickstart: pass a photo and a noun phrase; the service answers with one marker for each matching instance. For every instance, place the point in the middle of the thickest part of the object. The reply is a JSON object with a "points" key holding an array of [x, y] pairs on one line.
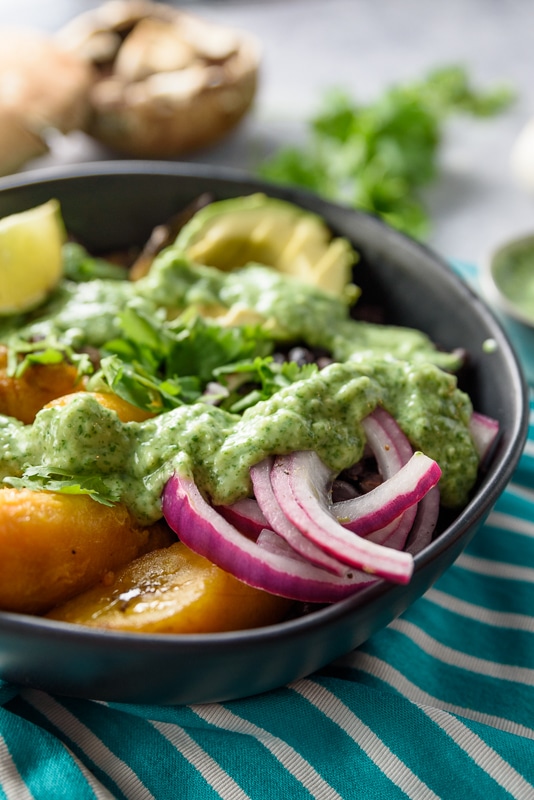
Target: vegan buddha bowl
{"points": [[242, 430]]}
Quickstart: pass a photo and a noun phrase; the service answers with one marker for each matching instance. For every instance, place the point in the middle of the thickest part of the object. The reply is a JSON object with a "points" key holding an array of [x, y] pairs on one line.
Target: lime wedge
{"points": [[30, 256]]}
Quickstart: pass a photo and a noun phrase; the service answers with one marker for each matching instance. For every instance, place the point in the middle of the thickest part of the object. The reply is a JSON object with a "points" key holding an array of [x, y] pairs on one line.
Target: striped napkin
{"points": [[440, 705]]}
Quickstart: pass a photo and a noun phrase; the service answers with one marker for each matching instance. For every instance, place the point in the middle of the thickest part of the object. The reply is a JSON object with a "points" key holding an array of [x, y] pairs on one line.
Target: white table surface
{"points": [[364, 46]]}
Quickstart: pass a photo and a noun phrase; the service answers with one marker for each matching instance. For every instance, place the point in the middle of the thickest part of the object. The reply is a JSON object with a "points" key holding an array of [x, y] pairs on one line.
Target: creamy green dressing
{"points": [[395, 368], [292, 310], [86, 313]]}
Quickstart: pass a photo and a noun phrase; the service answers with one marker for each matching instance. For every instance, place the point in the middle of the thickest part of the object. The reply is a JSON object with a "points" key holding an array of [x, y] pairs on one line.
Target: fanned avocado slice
{"points": [[229, 234]]}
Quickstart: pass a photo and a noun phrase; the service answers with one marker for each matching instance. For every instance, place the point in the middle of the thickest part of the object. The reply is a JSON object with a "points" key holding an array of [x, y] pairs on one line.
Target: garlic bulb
{"points": [[522, 157]]}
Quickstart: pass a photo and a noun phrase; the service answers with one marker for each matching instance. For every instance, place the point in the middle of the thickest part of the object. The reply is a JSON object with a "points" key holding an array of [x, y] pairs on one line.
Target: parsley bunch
{"points": [[51, 479], [377, 157]]}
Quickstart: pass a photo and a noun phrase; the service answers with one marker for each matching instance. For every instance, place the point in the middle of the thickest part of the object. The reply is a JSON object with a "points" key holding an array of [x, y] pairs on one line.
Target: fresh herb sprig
{"points": [[46, 479], [79, 265], [377, 157], [158, 365], [23, 353], [257, 380]]}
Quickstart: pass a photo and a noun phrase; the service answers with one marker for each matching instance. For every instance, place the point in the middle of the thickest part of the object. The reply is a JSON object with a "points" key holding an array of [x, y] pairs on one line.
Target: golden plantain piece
{"points": [[173, 590], [22, 397], [55, 546], [125, 411]]}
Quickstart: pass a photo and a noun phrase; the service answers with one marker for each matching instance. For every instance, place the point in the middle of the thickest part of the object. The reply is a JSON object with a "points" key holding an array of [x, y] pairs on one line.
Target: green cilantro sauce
{"points": [[513, 272], [292, 310], [396, 368]]}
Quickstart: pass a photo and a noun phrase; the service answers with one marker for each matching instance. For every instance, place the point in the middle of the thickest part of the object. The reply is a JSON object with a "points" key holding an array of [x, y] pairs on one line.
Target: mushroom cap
{"points": [[168, 81]]}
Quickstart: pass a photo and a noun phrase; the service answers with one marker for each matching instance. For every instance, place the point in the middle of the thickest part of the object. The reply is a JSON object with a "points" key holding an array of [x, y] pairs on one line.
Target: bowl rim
{"points": [[473, 513]]}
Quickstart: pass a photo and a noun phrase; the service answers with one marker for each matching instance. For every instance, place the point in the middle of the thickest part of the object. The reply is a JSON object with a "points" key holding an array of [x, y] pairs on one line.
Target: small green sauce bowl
{"points": [[511, 271], [508, 283]]}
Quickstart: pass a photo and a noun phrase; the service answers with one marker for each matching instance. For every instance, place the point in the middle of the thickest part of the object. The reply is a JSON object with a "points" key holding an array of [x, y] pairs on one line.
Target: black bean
{"points": [[301, 356], [343, 490]]}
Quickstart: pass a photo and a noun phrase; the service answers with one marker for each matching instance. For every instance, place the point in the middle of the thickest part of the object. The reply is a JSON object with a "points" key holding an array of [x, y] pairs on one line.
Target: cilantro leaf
{"points": [[44, 479], [377, 156], [141, 388], [201, 348], [263, 377], [23, 352], [158, 364], [79, 266]]}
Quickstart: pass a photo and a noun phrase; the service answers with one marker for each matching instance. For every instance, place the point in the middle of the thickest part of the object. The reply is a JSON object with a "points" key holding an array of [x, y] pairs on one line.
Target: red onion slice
{"points": [[484, 431], [274, 543], [309, 555], [386, 502], [392, 450], [390, 446], [300, 482], [261, 480], [205, 531], [395, 534], [246, 516], [425, 522]]}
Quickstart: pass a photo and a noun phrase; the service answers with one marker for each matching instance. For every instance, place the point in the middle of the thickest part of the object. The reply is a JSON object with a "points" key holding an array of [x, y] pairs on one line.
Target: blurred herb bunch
{"points": [[377, 157]]}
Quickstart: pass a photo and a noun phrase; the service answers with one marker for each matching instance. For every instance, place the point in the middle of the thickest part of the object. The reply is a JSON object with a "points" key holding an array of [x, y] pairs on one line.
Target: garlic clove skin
{"points": [[522, 157]]}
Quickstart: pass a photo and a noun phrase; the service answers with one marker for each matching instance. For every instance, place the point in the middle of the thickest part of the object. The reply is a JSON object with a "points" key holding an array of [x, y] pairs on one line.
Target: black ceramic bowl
{"points": [[115, 204]]}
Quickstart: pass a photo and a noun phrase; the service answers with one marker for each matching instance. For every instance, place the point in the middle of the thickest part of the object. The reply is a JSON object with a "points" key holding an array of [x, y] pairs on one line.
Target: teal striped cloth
{"points": [[438, 705]]}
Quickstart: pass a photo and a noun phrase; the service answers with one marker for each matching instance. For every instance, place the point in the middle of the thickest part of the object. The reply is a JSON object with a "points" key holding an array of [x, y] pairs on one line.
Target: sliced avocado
{"points": [[229, 234]]}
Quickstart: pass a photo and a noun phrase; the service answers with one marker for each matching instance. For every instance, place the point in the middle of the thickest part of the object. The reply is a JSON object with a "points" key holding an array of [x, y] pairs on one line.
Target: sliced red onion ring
{"points": [[425, 522], [205, 531], [309, 555], [392, 450], [484, 431], [274, 543], [300, 482], [261, 480], [390, 446], [395, 534], [386, 502], [246, 516]]}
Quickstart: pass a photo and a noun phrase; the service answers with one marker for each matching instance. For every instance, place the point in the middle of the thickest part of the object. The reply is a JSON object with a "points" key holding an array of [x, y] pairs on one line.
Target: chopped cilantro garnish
{"points": [[377, 156], [263, 376], [79, 266], [143, 388], [22, 353], [44, 479], [159, 364]]}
